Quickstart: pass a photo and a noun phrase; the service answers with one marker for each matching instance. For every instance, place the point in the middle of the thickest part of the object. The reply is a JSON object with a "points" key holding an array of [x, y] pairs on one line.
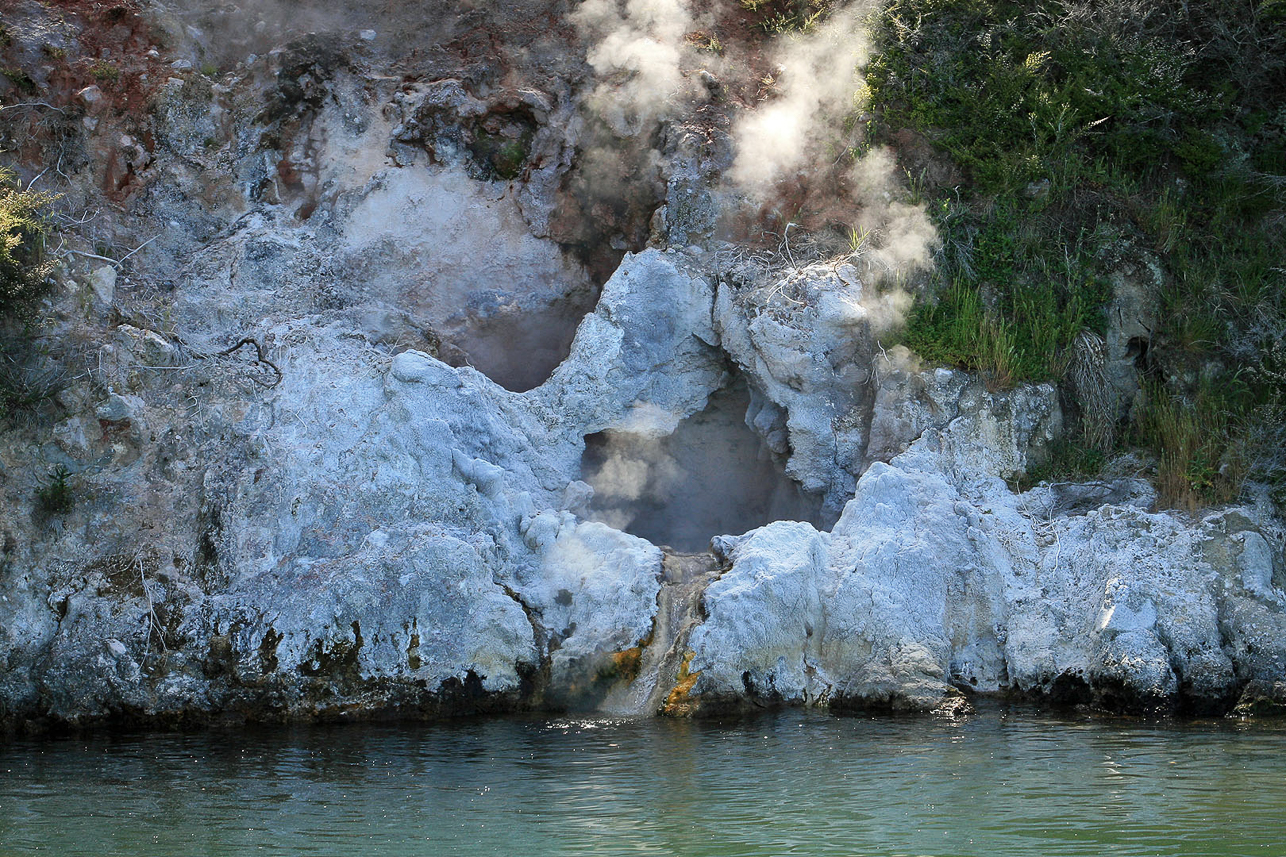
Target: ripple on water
{"points": [[1000, 783]]}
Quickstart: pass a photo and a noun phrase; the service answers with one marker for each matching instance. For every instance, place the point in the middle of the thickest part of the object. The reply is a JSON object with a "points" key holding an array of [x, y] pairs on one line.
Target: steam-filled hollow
{"points": [[517, 347], [712, 476], [454, 255]]}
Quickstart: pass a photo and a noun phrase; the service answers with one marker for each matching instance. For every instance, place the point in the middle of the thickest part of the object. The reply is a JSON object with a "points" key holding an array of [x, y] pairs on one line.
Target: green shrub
{"points": [[1200, 451], [1005, 310], [19, 79], [1067, 460], [1086, 128], [787, 16], [104, 71], [1012, 89], [509, 158], [23, 271]]}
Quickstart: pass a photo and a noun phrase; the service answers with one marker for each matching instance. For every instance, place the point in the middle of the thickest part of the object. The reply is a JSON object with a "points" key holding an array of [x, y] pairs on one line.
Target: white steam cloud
{"points": [[791, 152], [793, 146], [679, 483], [638, 52], [900, 236], [637, 471], [635, 465], [851, 304], [815, 82]]}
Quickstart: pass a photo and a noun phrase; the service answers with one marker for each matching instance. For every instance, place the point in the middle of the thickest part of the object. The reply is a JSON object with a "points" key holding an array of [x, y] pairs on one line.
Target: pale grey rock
{"points": [[103, 284], [1256, 564], [595, 591], [1131, 318], [695, 159], [72, 437], [379, 531], [1156, 621], [120, 408], [930, 580], [763, 616], [827, 397], [147, 346], [90, 96], [908, 401], [394, 532], [384, 599], [390, 531], [990, 437], [1078, 498], [903, 596], [804, 340]]}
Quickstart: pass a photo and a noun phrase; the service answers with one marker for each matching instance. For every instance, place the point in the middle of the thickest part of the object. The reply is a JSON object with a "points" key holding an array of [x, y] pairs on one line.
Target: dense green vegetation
{"points": [[24, 278], [1086, 132]]}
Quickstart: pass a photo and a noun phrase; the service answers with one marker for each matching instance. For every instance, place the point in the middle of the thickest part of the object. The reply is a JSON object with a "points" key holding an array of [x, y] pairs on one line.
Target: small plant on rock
{"points": [[105, 71], [20, 79], [56, 496]]}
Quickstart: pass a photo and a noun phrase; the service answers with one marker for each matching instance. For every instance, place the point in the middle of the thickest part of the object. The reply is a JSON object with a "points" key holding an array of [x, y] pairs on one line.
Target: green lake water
{"points": [[1002, 782]]}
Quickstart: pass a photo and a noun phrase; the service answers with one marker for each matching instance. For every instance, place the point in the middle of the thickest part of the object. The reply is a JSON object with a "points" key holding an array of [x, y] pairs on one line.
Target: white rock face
{"points": [[808, 349], [396, 534], [903, 596], [935, 578], [394, 521]]}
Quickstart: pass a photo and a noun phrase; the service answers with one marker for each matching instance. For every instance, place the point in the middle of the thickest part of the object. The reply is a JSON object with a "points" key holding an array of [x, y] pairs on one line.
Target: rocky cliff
{"points": [[398, 367]]}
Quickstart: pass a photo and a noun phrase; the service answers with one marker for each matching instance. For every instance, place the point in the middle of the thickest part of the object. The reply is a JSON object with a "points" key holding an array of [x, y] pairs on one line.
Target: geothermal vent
{"points": [[712, 476], [516, 346]]}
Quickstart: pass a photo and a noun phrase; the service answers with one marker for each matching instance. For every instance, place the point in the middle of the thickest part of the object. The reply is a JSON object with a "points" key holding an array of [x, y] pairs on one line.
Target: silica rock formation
{"points": [[298, 498]]}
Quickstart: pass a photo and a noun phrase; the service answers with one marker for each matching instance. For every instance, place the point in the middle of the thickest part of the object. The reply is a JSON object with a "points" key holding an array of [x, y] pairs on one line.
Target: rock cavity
{"points": [[455, 255], [712, 475]]}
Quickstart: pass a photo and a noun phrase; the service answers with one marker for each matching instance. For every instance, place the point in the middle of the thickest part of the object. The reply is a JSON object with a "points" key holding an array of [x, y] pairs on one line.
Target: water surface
{"points": [[998, 783]]}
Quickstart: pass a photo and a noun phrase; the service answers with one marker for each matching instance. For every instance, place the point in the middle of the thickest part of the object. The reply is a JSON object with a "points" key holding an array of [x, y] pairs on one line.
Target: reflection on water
{"points": [[1000, 783]]}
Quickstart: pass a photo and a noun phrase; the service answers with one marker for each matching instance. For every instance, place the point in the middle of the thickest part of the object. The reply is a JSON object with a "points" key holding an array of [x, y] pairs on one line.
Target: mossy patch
{"points": [[622, 666], [498, 156], [268, 651], [20, 79], [105, 71], [334, 658]]}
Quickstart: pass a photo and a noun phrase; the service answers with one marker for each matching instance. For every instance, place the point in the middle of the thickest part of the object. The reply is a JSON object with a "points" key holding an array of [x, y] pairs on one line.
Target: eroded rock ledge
{"points": [[391, 535]]}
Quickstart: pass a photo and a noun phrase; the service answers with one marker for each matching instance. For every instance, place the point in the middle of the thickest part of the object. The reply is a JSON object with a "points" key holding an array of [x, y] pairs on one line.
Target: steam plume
{"points": [[815, 81], [637, 54], [681, 484], [793, 145]]}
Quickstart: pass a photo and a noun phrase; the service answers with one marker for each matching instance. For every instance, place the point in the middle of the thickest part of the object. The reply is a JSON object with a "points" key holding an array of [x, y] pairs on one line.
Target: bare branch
{"points": [[260, 357], [32, 104]]}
